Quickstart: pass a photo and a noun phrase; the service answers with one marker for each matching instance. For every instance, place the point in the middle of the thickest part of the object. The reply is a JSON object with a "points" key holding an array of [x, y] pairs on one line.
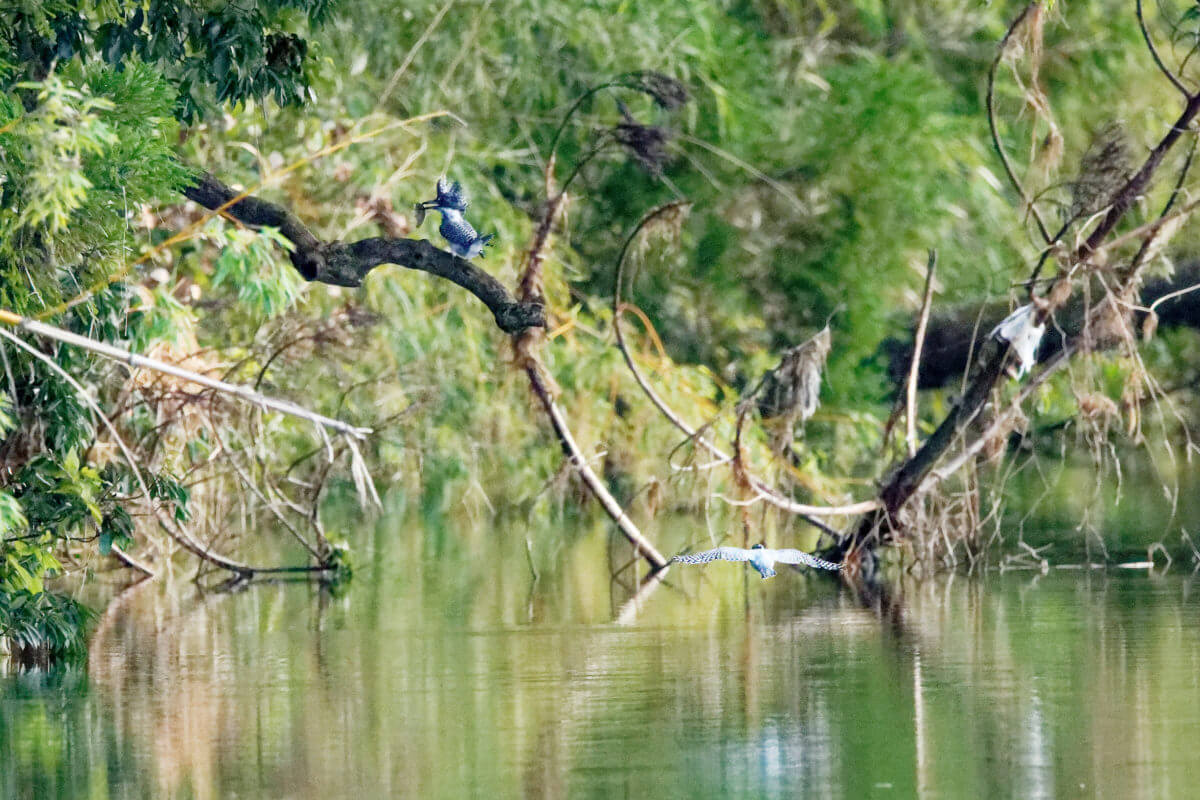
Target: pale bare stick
{"points": [[177, 533], [627, 527], [143, 362], [910, 390]]}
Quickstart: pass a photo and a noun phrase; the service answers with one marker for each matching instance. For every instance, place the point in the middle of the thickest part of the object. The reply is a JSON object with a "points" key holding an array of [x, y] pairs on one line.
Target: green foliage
{"points": [[41, 623], [93, 147], [250, 263], [7, 422], [89, 97], [210, 53], [31, 617], [79, 152], [166, 487], [12, 516]]}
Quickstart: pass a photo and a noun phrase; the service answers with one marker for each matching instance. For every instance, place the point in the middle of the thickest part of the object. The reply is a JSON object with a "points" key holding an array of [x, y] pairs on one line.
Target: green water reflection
{"points": [[423, 680]]}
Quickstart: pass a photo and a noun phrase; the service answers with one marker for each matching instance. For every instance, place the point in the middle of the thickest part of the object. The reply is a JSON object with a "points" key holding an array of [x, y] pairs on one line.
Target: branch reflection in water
{"points": [[416, 684]]}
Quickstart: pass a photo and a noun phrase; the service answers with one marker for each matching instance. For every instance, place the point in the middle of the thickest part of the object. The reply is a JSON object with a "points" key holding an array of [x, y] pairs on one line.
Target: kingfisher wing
{"points": [[790, 556], [456, 230], [716, 554]]}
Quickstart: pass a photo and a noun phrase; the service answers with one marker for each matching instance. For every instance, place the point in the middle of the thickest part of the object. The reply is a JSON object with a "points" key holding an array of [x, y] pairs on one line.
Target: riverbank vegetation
{"points": [[757, 192]]}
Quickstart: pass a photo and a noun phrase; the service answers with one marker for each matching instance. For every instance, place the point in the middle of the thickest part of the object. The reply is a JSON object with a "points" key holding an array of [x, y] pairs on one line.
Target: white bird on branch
{"points": [[1022, 336], [760, 557]]}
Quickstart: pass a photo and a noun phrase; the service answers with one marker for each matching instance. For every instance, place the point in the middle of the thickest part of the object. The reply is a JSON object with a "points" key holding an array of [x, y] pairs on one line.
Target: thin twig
{"points": [[1135, 263], [1171, 76], [1149, 229], [249, 483], [1166, 297], [910, 390], [767, 493], [991, 115]]}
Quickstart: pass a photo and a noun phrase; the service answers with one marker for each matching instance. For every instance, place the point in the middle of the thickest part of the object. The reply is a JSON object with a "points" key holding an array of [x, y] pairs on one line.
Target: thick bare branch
{"points": [[346, 264]]}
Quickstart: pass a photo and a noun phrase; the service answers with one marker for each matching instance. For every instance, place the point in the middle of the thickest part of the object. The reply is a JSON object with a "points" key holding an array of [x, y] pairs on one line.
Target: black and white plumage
{"points": [[462, 238], [451, 195], [761, 558], [459, 234]]}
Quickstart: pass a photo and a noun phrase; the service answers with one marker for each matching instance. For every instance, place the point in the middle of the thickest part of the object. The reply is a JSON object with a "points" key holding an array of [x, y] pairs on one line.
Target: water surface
{"points": [[423, 680]]}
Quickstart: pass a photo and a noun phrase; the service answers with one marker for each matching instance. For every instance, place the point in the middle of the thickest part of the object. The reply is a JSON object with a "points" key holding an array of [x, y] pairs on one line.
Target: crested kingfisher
{"points": [[451, 200], [761, 558]]}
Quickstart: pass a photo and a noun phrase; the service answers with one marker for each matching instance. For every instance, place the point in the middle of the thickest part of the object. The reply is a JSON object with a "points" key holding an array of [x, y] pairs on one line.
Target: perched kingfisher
{"points": [[452, 202], [759, 557]]}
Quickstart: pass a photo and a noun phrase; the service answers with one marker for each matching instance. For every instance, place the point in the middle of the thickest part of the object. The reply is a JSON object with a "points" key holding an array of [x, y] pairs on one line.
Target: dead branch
{"points": [[178, 533], [346, 264], [907, 480], [525, 347], [135, 360], [910, 389], [571, 450]]}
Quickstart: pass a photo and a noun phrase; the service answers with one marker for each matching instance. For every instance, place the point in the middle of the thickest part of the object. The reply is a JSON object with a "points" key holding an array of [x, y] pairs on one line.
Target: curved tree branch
{"points": [[1166, 71], [762, 490], [346, 264], [991, 115]]}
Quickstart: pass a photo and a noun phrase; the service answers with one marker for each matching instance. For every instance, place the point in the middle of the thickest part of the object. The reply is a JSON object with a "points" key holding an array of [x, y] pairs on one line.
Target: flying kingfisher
{"points": [[759, 557], [452, 202]]}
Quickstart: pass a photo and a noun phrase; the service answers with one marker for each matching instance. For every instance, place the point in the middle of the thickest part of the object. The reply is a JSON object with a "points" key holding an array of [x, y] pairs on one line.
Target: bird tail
{"points": [[767, 572], [485, 241]]}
